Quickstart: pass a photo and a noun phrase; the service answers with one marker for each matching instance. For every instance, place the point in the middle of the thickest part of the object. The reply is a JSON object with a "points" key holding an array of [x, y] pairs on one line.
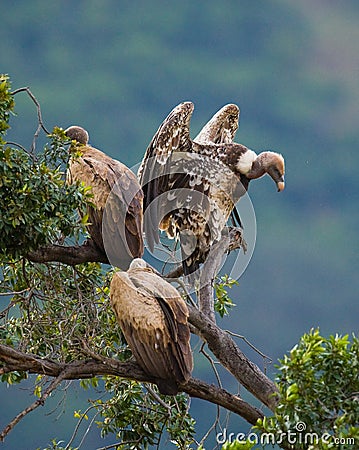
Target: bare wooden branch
{"points": [[221, 397], [175, 273], [234, 360], [209, 271], [231, 239], [70, 255], [12, 359]]}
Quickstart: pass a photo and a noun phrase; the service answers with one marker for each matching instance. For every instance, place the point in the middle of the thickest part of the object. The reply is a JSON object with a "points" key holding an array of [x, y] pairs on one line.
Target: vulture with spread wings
{"points": [[153, 318], [191, 186], [115, 219]]}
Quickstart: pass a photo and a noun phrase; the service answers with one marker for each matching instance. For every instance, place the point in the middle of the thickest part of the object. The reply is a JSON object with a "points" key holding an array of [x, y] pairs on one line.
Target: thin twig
{"points": [[201, 350], [120, 444], [212, 427], [78, 426], [39, 115], [14, 292], [34, 405], [240, 336], [88, 429], [185, 291], [157, 397], [21, 147]]}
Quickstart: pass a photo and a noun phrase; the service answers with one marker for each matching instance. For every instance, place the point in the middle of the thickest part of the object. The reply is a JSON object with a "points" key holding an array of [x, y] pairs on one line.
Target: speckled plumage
{"points": [[191, 186], [116, 218], [221, 128], [153, 318]]}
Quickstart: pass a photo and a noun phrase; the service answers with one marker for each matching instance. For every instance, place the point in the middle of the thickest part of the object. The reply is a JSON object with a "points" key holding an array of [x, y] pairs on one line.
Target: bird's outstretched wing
{"points": [[156, 171], [221, 128]]}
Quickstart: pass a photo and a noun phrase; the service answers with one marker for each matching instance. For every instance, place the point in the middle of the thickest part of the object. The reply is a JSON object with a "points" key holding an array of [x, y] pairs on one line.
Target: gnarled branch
{"points": [[233, 359], [71, 255], [219, 342], [12, 359], [231, 239]]}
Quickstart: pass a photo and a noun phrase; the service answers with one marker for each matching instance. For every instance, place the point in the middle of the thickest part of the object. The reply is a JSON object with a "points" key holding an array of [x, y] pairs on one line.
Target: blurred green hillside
{"points": [[118, 67]]}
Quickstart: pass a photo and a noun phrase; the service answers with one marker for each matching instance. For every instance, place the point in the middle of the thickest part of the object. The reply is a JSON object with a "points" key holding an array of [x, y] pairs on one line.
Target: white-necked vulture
{"points": [[191, 186], [153, 318], [115, 220]]}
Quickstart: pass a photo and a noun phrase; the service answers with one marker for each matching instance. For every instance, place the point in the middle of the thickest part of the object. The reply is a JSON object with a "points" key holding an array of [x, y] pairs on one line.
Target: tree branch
{"points": [[219, 342], [71, 255], [234, 360], [221, 397], [15, 360], [231, 239]]}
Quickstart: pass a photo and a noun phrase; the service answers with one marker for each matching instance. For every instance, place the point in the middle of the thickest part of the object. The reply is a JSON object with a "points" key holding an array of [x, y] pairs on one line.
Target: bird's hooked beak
{"points": [[280, 184], [277, 175]]}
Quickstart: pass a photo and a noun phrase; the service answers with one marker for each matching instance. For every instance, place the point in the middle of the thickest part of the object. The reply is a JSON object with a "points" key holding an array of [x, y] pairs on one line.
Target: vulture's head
{"points": [[138, 263], [78, 134], [271, 163]]}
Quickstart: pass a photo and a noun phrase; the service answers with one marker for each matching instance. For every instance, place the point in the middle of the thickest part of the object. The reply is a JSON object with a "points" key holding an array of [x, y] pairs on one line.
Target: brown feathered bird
{"points": [[116, 218], [191, 186], [153, 318]]}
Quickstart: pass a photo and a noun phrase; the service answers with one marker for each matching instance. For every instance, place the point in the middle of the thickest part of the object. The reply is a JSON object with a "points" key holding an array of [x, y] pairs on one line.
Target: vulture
{"points": [[191, 186], [115, 218], [153, 318]]}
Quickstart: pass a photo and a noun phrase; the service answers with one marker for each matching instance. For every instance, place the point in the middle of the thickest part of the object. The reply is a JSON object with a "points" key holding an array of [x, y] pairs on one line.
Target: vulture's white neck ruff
{"points": [[244, 164]]}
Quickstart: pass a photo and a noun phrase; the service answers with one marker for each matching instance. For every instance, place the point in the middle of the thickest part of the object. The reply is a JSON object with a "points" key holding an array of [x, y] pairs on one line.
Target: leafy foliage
{"points": [[63, 313], [319, 386], [222, 300], [135, 415], [6, 103], [36, 204]]}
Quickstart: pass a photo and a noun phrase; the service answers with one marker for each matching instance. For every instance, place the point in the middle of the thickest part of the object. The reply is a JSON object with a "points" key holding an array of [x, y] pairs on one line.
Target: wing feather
{"points": [[156, 169], [221, 128]]}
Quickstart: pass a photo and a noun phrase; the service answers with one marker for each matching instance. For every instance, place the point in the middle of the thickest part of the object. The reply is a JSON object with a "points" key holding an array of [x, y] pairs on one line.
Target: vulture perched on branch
{"points": [[115, 220], [191, 186], [153, 318]]}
